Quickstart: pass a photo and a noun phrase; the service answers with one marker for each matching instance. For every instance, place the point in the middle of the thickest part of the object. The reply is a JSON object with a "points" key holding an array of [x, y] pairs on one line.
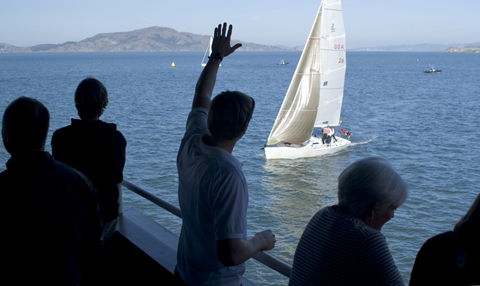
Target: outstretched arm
{"points": [[220, 49], [235, 251]]}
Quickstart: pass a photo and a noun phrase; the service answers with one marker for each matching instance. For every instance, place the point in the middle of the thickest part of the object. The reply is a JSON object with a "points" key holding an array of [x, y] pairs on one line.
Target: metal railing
{"points": [[275, 264]]}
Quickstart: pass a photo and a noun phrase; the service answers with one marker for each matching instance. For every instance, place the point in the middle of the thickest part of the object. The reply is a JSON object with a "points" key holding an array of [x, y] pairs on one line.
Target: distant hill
{"points": [[413, 48], [166, 39], [143, 40]]}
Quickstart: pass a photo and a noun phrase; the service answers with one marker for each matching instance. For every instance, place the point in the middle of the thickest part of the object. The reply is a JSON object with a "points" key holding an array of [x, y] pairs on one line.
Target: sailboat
{"points": [[209, 51], [314, 97]]}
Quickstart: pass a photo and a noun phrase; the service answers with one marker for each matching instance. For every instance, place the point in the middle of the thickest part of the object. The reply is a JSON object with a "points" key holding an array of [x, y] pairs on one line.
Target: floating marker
{"points": [[173, 64]]}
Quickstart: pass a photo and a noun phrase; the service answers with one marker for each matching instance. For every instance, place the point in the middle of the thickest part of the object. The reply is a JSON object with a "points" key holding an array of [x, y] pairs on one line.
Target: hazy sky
{"points": [[272, 22]]}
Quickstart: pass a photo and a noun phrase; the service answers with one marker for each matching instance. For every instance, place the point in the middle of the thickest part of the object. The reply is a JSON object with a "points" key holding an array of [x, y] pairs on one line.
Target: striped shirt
{"points": [[340, 249]]}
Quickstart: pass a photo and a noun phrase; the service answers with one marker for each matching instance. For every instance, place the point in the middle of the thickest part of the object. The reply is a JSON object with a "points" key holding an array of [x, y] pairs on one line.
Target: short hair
{"points": [[228, 114], [368, 181], [25, 124], [91, 98]]}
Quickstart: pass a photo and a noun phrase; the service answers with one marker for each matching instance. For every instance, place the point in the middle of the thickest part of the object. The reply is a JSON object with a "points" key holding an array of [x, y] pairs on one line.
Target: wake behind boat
{"points": [[314, 97]]}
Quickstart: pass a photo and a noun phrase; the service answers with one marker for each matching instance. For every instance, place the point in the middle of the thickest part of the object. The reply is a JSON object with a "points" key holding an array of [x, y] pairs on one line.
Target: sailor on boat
{"points": [[332, 133], [328, 134]]}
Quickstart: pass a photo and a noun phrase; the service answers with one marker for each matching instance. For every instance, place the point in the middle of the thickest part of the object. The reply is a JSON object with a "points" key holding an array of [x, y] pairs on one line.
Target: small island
{"points": [[463, 50]]}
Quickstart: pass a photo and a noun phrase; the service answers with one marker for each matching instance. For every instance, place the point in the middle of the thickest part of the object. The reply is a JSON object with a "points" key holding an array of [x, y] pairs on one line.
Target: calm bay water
{"points": [[426, 125]]}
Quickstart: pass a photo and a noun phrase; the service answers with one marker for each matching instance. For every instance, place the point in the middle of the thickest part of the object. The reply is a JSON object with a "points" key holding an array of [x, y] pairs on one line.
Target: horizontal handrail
{"points": [[154, 199], [277, 265]]}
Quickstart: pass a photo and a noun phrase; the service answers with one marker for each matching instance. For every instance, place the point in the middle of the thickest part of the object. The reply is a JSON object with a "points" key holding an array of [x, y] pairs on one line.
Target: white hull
{"points": [[314, 148]]}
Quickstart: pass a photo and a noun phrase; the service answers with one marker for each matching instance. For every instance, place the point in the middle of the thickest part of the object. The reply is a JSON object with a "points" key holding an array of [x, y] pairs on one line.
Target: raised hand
{"points": [[221, 43]]}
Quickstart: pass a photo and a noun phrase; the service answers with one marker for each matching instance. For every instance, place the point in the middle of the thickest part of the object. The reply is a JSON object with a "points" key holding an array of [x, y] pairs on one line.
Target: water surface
{"points": [[426, 125]]}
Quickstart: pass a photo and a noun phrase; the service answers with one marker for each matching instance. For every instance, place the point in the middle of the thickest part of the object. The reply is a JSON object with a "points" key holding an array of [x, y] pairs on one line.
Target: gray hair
{"points": [[368, 181]]}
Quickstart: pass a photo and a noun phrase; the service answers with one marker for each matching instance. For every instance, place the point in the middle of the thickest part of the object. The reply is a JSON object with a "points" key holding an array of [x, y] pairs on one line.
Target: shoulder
{"points": [[72, 176], [225, 167], [66, 170], [197, 121], [110, 132], [3, 175], [442, 241], [62, 132], [118, 137]]}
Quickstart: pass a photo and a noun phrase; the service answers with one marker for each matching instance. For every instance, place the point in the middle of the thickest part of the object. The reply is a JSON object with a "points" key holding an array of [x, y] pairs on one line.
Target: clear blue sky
{"points": [[273, 22]]}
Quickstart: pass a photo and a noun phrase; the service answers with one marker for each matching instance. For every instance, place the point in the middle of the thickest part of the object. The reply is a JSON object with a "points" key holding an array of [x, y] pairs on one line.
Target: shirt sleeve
{"points": [[230, 204], [197, 121]]}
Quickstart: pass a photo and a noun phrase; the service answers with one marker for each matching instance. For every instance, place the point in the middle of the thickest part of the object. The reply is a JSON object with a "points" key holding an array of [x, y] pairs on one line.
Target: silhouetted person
{"points": [[51, 227], [452, 257], [212, 190], [95, 148]]}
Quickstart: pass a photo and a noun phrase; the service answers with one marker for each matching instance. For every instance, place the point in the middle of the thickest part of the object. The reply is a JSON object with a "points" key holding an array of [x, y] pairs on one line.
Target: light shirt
{"points": [[213, 197]]}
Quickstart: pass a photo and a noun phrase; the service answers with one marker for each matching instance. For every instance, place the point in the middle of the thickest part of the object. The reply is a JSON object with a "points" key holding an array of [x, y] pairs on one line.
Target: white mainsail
{"points": [[315, 95], [209, 50]]}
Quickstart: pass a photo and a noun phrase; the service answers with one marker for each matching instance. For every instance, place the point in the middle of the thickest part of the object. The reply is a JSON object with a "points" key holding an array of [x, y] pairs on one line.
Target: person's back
{"points": [[205, 173], [453, 257], [52, 227], [342, 244], [212, 191], [51, 221], [339, 249], [94, 147], [449, 260]]}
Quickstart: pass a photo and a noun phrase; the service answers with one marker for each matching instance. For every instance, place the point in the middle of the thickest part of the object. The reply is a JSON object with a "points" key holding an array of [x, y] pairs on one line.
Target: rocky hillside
{"points": [[143, 40]]}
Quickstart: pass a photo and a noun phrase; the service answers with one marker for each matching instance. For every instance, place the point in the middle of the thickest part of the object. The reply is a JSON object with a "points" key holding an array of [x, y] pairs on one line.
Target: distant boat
{"points": [[209, 51], [432, 70], [282, 63], [314, 97]]}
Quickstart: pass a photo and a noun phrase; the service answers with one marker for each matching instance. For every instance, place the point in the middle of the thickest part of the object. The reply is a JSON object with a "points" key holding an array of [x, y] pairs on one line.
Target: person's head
{"points": [[229, 115], [371, 190], [25, 126], [91, 99], [470, 223]]}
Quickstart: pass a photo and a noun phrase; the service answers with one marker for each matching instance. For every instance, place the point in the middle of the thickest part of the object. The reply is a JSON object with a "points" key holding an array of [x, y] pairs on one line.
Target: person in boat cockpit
{"points": [[324, 135], [51, 231], [212, 190], [331, 133], [342, 244]]}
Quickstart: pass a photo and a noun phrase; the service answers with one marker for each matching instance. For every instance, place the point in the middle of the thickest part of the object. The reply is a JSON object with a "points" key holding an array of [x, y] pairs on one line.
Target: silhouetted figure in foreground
{"points": [[95, 148], [51, 227], [452, 257]]}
